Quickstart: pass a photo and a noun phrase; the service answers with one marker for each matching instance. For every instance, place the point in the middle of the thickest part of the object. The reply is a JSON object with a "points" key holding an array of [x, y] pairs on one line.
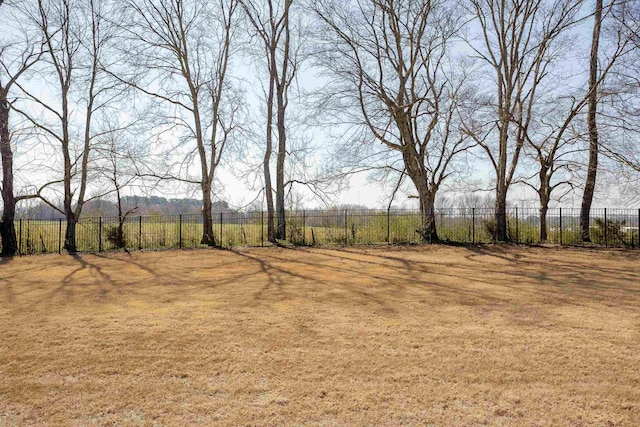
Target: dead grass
{"points": [[385, 336]]}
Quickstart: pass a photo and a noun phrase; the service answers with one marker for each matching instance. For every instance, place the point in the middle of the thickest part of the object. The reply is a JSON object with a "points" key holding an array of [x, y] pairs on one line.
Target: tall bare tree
{"points": [[272, 24], [619, 21], [555, 134], [592, 170], [181, 51], [390, 71], [15, 59], [518, 41], [76, 37]]}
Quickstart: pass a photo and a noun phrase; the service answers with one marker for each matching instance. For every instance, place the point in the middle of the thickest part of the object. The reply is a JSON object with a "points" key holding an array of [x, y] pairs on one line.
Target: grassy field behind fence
{"points": [[328, 228]]}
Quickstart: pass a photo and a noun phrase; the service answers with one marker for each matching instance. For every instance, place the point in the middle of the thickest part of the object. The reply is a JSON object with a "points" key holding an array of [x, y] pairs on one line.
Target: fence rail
{"points": [[608, 227]]}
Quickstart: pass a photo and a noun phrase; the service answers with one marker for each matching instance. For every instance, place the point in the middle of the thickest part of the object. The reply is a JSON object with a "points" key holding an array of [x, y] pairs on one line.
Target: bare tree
{"points": [[14, 62], [181, 50], [554, 136], [619, 21], [76, 37], [272, 25], [116, 160], [390, 71], [592, 170], [519, 40], [553, 150]]}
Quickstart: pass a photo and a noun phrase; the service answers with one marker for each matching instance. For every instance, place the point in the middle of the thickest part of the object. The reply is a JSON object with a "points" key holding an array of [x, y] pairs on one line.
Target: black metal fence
{"points": [[608, 227]]}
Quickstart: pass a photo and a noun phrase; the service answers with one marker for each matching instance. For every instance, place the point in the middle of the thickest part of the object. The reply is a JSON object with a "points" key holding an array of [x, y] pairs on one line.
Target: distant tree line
{"points": [[137, 205]]}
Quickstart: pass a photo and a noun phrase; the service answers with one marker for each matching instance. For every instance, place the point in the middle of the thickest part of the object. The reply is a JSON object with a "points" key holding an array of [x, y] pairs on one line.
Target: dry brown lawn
{"points": [[373, 336]]}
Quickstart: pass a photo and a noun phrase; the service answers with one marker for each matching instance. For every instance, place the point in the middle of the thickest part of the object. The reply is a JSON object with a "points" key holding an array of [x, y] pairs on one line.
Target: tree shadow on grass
{"points": [[304, 279], [390, 280], [496, 251], [378, 281], [5, 260], [556, 278], [85, 265], [98, 284], [405, 278]]}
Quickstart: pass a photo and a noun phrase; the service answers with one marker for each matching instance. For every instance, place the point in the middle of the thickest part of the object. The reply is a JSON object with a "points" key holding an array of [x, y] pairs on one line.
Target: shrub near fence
{"points": [[609, 227]]}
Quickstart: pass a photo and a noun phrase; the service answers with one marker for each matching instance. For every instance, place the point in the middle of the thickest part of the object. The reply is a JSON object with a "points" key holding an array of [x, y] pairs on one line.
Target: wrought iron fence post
{"points": [[561, 242], [304, 227], [517, 227], [20, 243], [389, 226], [140, 233], [606, 226], [346, 228], [180, 231], [220, 229], [99, 234], [432, 222], [261, 228], [473, 226], [59, 236]]}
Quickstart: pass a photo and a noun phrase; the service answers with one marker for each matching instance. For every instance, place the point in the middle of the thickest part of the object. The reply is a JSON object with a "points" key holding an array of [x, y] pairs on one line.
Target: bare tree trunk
{"points": [[501, 213], [427, 190], [271, 228], [592, 171], [502, 185], [544, 196], [207, 219], [70, 235], [428, 214], [268, 188], [7, 229], [281, 232], [544, 208], [426, 197]]}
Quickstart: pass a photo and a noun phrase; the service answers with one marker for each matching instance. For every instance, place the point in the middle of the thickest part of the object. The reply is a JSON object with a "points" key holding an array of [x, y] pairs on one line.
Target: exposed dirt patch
{"points": [[385, 336]]}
